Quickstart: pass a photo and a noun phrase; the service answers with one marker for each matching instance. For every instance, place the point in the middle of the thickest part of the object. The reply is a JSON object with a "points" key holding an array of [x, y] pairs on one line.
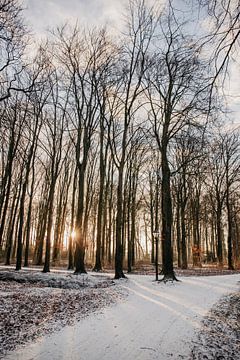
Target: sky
{"points": [[44, 15]]}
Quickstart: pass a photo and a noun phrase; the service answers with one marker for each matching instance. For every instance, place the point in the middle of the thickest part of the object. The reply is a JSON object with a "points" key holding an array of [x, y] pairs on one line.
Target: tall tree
{"points": [[141, 26], [175, 92]]}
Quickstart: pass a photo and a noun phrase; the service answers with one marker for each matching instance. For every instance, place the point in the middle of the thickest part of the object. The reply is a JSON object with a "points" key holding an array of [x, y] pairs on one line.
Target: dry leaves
{"points": [[219, 338], [29, 310]]}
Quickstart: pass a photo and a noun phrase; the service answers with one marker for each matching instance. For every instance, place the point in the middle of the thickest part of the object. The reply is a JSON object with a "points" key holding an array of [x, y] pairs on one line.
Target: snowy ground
{"points": [[33, 304], [62, 280], [156, 321], [219, 338]]}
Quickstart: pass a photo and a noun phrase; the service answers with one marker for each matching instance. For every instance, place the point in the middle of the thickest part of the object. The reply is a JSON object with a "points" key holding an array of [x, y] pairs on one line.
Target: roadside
{"points": [[219, 337], [34, 305]]}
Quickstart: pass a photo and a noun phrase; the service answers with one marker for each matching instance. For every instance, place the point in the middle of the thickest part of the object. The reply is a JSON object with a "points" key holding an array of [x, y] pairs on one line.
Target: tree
{"points": [[176, 93], [32, 110], [224, 32], [13, 37], [129, 88], [189, 154], [54, 126], [230, 146], [218, 191]]}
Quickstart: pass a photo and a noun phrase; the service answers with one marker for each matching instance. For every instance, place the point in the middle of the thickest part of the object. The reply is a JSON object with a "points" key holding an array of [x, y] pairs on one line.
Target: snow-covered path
{"points": [[156, 321]]}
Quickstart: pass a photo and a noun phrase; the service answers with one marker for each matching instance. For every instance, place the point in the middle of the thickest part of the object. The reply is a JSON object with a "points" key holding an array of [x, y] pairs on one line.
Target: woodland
{"points": [[121, 150]]}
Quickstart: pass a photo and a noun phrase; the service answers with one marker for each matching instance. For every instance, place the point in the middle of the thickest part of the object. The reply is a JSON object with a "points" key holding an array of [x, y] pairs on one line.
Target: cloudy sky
{"points": [[42, 15]]}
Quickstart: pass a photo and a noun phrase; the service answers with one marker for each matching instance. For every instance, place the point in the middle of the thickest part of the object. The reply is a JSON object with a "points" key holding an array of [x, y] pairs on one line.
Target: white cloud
{"points": [[47, 14]]}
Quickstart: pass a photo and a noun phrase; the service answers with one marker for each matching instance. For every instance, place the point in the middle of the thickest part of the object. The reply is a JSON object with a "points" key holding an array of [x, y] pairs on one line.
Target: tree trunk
{"points": [[229, 237], [28, 223], [183, 233], [12, 227], [99, 242], [119, 227], [219, 236], [46, 267], [167, 270], [179, 258], [70, 247], [80, 248]]}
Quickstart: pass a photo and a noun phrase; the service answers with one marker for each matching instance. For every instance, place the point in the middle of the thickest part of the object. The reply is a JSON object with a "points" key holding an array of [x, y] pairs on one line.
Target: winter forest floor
{"points": [[34, 304], [219, 336], [64, 316]]}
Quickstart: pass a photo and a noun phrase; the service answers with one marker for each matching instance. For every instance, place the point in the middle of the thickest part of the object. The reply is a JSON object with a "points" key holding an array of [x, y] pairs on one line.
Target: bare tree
{"points": [[13, 36], [129, 88], [175, 92]]}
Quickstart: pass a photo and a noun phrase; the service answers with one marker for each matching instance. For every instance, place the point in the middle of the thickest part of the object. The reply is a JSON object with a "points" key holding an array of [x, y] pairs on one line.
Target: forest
{"points": [[120, 150]]}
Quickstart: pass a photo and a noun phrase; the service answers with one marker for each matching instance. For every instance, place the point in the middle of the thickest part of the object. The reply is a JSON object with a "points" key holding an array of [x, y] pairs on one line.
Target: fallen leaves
{"points": [[30, 309], [220, 335]]}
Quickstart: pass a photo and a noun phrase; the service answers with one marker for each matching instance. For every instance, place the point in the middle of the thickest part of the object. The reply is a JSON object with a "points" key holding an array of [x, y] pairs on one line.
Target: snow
{"points": [[33, 304], [219, 337], [62, 280], [156, 321]]}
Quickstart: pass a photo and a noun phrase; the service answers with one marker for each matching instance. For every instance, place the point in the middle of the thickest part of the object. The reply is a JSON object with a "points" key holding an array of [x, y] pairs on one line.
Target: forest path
{"points": [[156, 321]]}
